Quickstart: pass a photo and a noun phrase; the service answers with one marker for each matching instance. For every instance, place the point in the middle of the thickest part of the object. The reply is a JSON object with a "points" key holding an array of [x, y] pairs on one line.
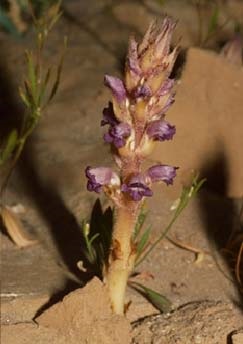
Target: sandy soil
{"points": [[49, 182]]}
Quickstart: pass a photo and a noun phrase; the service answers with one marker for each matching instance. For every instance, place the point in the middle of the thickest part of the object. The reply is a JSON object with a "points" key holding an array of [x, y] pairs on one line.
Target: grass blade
{"points": [[159, 301], [9, 147], [143, 241]]}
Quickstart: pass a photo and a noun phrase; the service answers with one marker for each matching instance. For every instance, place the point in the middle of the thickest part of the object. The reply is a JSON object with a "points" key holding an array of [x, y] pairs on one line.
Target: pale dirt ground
{"points": [[49, 182]]}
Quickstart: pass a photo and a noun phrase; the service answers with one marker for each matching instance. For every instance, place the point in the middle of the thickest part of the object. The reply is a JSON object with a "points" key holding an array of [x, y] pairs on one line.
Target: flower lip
{"points": [[160, 130], [136, 190], [137, 187], [117, 134], [163, 173], [117, 87], [100, 176]]}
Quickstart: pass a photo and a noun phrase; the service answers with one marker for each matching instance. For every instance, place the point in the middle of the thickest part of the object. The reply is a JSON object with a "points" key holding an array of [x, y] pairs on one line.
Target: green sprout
{"points": [[39, 88]]}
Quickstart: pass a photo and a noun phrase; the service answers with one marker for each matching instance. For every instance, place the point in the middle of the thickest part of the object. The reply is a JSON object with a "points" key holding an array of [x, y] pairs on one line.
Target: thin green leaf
{"points": [[28, 94], [48, 74], [58, 75], [93, 238], [24, 97], [143, 241], [56, 83], [9, 147], [44, 85], [159, 301], [32, 77]]}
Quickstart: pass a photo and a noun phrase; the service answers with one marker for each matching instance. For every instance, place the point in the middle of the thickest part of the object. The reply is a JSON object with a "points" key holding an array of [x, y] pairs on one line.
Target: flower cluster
{"points": [[136, 117]]}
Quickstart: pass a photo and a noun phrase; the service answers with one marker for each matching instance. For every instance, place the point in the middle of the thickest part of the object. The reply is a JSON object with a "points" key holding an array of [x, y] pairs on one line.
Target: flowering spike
{"points": [[136, 121]]}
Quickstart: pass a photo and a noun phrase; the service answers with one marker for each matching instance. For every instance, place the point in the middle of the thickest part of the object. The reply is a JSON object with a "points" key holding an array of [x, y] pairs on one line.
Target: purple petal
{"points": [[142, 91], [132, 57], [100, 176], [163, 40], [117, 87], [161, 106], [160, 130], [117, 134], [148, 38], [166, 87], [109, 116], [137, 190], [163, 173]]}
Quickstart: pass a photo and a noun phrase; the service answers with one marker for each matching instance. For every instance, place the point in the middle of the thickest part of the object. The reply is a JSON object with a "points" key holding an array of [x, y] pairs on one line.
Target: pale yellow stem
{"points": [[122, 256]]}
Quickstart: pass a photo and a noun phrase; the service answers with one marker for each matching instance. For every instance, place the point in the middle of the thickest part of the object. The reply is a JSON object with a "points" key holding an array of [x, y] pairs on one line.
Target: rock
{"points": [[86, 313], [197, 322], [237, 338]]}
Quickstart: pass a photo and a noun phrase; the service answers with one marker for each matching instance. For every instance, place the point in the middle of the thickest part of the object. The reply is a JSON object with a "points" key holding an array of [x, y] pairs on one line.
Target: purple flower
{"points": [[117, 87], [160, 130], [109, 116], [137, 188], [163, 173], [100, 176], [142, 91], [117, 134]]}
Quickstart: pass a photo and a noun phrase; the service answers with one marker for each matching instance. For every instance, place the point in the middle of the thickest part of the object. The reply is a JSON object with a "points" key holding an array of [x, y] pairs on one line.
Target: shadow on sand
{"points": [[221, 217]]}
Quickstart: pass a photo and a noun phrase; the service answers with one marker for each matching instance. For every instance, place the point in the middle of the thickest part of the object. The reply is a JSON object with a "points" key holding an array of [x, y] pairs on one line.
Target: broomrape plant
{"points": [[136, 121]]}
